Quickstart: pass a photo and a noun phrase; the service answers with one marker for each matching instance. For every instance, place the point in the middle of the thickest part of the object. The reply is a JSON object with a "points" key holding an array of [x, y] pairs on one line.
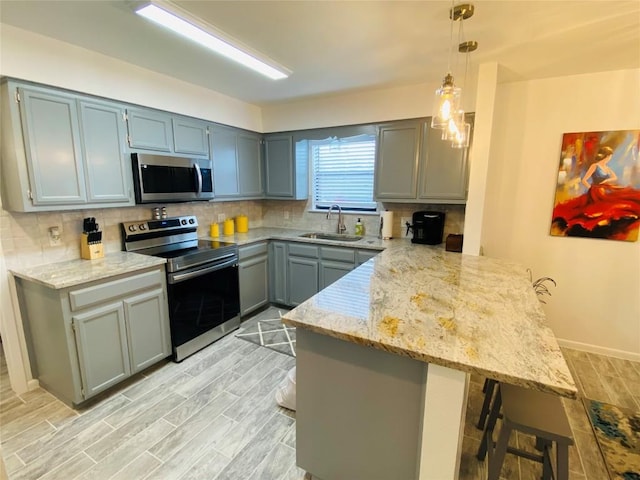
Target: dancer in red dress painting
{"points": [[606, 210]]}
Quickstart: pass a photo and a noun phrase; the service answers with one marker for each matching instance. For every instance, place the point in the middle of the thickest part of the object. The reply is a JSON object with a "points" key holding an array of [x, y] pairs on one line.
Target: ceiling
{"points": [[345, 46]]}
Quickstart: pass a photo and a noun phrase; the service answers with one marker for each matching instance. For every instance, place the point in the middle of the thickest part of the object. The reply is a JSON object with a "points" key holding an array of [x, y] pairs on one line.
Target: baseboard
{"points": [[33, 384], [611, 352]]}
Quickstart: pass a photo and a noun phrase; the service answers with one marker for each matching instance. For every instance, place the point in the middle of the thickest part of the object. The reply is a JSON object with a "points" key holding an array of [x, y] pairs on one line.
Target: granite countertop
{"points": [[475, 314], [75, 272]]}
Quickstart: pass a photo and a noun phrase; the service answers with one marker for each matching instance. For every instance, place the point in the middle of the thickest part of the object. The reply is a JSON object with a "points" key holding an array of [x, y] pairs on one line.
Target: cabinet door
{"points": [[250, 165], [279, 166], [254, 286], [443, 170], [396, 171], [225, 162], [332, 271], [103, 146], [278, 286], [149, 130], [52, 141], [102, 347], [190, 137], [147, 329], [303, 279]]}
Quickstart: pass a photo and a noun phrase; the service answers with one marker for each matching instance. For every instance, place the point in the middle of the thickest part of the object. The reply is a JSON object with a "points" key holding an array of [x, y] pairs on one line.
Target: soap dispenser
{"points": [[359, 228]]}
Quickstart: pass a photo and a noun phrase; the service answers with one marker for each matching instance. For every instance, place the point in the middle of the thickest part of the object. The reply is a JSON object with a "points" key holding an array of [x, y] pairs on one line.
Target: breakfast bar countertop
{"points": [[469, 313]]}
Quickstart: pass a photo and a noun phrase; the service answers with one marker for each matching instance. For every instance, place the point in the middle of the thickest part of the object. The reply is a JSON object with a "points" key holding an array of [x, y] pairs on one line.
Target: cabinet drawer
{"points": [[300, 250], [364, 255], [249, 251], [103, 292], [338, 254]]}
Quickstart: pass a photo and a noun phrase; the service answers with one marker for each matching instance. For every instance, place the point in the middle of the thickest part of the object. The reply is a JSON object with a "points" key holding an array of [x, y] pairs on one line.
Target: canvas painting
{"points": [[598, 189]]}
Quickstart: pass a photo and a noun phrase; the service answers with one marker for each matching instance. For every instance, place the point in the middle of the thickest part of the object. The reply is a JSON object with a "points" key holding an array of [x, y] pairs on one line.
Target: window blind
{"points": [[343, 172]]}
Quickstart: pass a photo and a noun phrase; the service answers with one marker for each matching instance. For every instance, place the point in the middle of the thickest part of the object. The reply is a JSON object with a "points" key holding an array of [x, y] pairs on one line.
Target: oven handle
{"points": [[181, 277], [198, 178]]}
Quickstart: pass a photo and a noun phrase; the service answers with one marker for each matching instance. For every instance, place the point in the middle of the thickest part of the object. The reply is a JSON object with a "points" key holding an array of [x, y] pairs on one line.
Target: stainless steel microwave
{"points": [[164, 179]]}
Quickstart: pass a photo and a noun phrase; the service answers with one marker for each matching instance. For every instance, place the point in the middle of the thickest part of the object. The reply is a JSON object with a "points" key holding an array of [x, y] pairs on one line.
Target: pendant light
{"points": [[446, 108]]}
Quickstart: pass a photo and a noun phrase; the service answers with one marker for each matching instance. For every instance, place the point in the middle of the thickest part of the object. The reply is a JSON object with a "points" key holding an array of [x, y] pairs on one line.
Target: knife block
{"points": [[90, 251]]}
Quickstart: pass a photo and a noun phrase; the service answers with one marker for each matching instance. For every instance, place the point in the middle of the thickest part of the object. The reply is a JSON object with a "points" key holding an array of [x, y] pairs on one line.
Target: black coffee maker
{"points": [[427, 227]]}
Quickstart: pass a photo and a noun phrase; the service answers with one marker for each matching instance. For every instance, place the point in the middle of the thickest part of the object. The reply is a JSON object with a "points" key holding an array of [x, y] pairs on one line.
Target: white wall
{"points": [[36, 58], [394, 103], [596, 305]]}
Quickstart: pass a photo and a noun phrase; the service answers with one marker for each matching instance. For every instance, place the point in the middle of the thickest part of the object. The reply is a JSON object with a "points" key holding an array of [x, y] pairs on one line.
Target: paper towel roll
{"points": [[386, 225]]}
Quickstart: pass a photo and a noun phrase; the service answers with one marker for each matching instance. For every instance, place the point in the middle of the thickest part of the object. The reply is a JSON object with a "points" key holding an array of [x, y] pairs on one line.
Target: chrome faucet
{"points": [[341, 227]]}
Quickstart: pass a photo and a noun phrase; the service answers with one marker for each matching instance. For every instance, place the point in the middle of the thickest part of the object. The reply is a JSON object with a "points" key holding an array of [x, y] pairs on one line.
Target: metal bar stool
{"points": [[530, 412], [487, 389]]}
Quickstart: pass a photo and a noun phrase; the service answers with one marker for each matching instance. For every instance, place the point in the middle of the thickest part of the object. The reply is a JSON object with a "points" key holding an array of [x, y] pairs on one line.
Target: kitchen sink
{"points": [[340, 237]]}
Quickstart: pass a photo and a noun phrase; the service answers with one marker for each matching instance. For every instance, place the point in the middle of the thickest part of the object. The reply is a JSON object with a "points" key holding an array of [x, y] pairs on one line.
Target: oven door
{"points": [[204, 305]]}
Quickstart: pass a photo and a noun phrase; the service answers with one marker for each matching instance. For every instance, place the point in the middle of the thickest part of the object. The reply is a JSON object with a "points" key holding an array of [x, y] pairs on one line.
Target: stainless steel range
{"points": [[202, 279]]}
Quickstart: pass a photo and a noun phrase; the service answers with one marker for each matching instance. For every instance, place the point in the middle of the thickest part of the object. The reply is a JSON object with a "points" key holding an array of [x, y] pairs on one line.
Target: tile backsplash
{"points": [[297, 214], [24, 237]]}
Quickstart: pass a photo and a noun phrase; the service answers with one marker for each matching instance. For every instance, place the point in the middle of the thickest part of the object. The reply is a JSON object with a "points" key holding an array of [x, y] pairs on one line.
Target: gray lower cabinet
{"points": [[62, 151], [300, 270], [303, 279], [85, 339], [253, 276], [278, 285]]}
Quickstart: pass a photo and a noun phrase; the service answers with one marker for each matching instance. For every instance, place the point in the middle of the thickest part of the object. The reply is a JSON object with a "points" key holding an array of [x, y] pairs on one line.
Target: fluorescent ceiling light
{"points": [[162, 16]]}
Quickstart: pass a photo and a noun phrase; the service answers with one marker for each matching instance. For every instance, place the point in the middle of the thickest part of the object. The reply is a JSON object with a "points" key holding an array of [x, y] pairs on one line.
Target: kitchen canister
{"points": [[214, 230], [228, 226], [242, 224]]}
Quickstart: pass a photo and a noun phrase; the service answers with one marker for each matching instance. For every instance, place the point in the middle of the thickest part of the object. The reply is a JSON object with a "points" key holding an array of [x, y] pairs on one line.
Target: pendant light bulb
{"points": [[447, 102]]}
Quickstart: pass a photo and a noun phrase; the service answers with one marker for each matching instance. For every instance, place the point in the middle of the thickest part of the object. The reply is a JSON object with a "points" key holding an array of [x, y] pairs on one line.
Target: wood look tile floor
{"points": [[214, 417]]}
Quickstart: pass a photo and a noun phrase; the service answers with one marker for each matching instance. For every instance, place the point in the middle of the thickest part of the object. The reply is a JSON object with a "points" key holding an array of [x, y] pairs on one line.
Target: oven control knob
{"points": [[132, 228], [192, 221], [142, 226], [184, 222]]}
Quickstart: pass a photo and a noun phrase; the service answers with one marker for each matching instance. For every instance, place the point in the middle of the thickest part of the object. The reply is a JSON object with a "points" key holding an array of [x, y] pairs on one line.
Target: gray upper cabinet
{"points": [[224, 153], [444, 171], [286, 174], [250, 165], [52, 142], [397, 160], [108, 174], [190, 137], [159, 131], [62, 151], [237, 163], [149, 130], [414, 165]]}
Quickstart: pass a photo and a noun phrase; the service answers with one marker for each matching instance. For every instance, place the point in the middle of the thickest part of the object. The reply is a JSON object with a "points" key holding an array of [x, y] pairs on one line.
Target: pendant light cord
{"points": [[450, 37]]}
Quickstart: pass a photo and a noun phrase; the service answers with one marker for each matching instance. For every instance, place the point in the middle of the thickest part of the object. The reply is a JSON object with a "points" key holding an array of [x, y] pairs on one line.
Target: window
{"points": [[342, 172]]}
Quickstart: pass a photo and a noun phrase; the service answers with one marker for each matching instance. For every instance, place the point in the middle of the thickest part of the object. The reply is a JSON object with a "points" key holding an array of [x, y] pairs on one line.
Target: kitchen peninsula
{"points": [[384, 355]]}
